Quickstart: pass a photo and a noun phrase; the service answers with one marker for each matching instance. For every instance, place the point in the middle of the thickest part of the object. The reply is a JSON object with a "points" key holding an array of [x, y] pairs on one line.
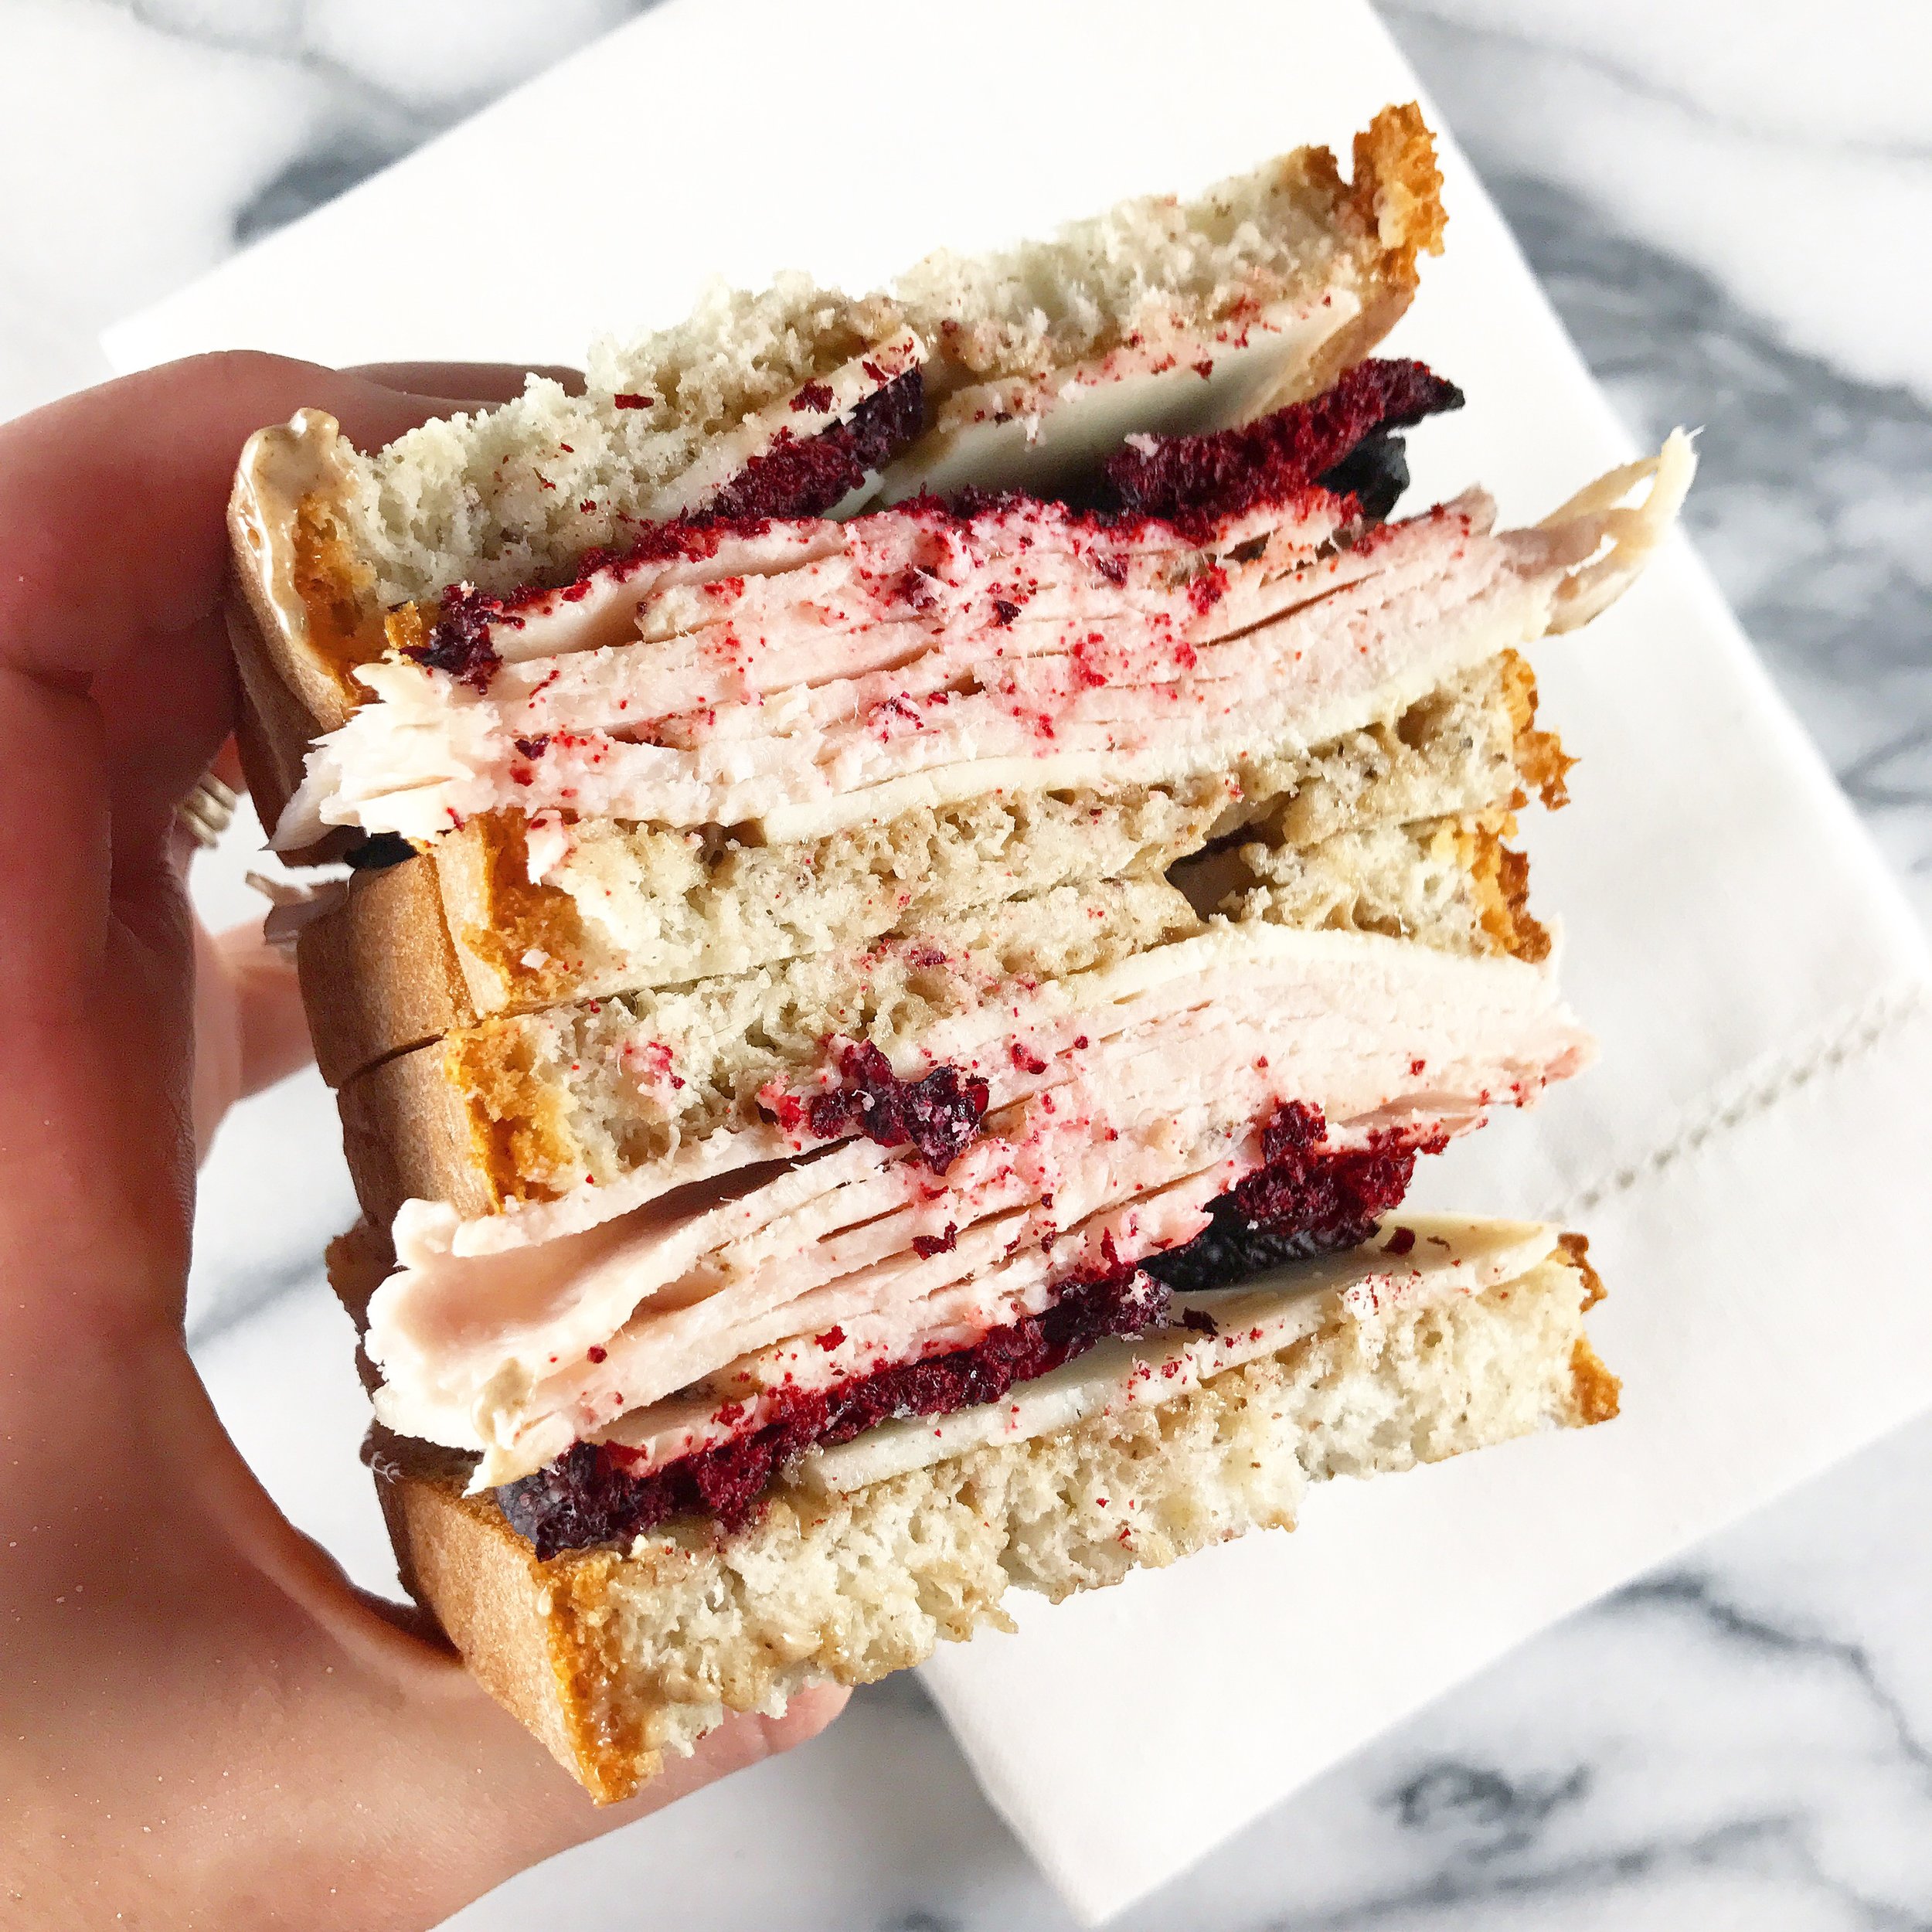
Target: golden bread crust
{"points": [[1395, 199], [1540, 758], [521, 943], [409, 1134], [1398, 189], [274, 728], [1598, 1394], [1499, 877], [525, 1628], [300, 615], [378, 974]]}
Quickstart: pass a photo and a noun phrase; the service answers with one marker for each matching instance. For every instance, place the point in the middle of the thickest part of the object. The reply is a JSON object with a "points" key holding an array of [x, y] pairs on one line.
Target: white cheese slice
{"points": [[1039, 434], [1450, 1255]]}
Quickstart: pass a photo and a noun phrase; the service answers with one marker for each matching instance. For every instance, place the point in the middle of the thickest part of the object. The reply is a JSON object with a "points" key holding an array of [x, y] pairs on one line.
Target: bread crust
{"points": [[301, 613], [274, 730], [1396, 199], [520, 1624], [409, 1133], [378, 974]]}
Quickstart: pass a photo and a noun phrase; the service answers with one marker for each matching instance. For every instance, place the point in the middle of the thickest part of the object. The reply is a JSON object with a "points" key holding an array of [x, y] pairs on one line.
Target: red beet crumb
{"points": [[1306, 1200], [1321, 1201], [1205, 480], [631, 399], [796, 477], [805, 476], [1400, 1242], [926, 1246], [459, 641], [938, 1114]]}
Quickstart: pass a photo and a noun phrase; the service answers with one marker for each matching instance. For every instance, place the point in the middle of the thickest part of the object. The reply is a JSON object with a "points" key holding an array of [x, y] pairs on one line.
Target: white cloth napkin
{"points": [[1748, 1155]]}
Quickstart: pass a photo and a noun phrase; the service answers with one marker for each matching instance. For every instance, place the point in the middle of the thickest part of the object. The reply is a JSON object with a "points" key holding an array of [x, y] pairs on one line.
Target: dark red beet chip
{"points": [[939, 1114], [1340, 439], [1198, 481], [458, 641], [796, 477], [1305, 1201], [806, 475]]}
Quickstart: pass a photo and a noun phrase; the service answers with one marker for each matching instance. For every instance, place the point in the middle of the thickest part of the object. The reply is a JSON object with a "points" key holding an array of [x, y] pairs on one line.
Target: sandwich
{"points": [[914, 875]]}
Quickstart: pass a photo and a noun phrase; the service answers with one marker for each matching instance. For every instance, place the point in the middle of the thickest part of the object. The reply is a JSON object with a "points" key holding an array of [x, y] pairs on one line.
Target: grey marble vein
{"points": [[1468, 42], [1573, 1792], [378, 109]]}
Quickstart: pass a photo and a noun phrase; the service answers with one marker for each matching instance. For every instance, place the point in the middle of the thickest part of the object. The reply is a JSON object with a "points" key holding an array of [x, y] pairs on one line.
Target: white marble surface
{"points": [[1718, 197]]}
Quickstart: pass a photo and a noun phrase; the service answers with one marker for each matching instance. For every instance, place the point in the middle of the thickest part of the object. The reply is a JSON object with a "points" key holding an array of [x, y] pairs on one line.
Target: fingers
{"points": [[55, 849], [273, 1028], [478, 381], [250, 1030], [117, 688], [217, 1080], [737, 1744], [537, 1811], [113, 542]]}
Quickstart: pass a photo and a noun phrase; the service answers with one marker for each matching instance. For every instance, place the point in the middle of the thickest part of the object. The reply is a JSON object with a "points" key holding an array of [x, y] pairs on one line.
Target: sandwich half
{"points": [[921, 871]]}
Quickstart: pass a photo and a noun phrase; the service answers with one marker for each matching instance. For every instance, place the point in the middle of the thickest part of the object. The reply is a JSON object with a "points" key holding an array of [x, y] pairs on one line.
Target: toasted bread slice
{"points": [[451, 937]]}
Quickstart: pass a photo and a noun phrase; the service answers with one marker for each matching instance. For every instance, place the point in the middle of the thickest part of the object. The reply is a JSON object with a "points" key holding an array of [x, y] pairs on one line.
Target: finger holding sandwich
{"points": [[180, 1659]]}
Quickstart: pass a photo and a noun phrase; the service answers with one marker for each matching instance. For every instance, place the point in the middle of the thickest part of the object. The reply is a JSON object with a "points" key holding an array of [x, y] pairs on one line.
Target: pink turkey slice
{"points": [[431, 753], [1441, 593], [902, 1310], [1179, 1052]]}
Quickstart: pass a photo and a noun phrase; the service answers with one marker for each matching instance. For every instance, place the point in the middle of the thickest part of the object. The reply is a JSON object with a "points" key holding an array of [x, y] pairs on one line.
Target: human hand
{"points": [[201, 1721]]}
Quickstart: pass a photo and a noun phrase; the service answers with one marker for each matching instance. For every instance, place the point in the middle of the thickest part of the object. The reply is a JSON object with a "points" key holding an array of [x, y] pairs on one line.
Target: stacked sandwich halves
{"points": [[925, 869]]}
